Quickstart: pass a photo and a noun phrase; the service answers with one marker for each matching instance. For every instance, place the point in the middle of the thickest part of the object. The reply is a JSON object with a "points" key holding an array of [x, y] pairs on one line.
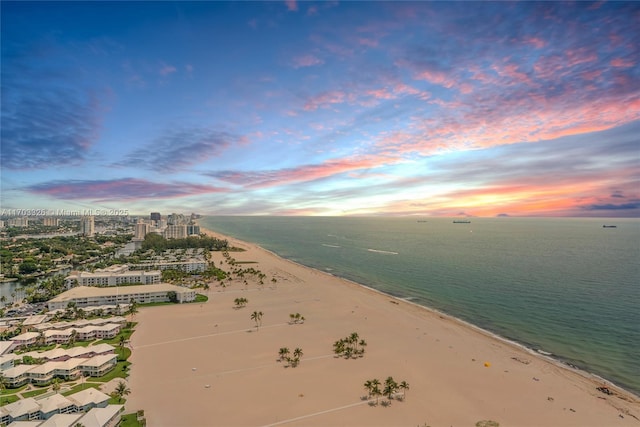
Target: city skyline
{"points": [[322, 108]]}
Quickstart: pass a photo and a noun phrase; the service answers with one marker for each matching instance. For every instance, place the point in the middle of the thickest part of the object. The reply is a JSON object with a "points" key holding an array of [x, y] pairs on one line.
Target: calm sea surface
{"points": [[565, 286]]}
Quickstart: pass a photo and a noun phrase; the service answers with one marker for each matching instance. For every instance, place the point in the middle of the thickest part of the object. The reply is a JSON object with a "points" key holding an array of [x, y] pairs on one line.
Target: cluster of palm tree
{"points": [[256, 316], [240, 302], [296, 318], [292, 360], [350, 346], [389, 388]]}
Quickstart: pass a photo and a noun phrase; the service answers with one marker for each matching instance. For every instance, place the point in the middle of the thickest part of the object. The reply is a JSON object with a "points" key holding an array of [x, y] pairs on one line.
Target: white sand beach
{"points": [[208, 365]]}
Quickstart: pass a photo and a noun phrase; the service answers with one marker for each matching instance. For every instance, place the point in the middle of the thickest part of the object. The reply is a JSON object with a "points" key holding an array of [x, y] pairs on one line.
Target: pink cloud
{"points": [[306, 61], [436, 77], [292, 5], [126, 189], [367, 42], [165, 70], [621, 63], [536, 42], [324, 100], [303, 173]]}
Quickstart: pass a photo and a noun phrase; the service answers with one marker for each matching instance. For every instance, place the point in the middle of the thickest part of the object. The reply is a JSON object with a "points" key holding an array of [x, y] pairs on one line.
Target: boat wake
{"points": [[382, 252], [331, 246]]}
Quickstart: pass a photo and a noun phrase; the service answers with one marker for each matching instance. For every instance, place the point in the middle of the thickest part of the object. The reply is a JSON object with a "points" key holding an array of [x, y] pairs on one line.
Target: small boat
{"points": [[609, 226]]}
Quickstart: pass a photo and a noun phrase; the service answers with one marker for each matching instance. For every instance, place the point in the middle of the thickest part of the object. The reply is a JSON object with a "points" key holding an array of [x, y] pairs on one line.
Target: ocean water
{"points": [[568, 287]]}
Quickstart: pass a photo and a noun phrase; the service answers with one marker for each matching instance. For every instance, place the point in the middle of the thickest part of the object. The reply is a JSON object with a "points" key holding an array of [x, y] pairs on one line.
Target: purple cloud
{"points": [[180, 148], [127, 189]]}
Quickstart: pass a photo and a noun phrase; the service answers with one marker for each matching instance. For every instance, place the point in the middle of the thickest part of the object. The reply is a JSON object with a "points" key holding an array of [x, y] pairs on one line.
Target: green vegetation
{"points": [[487, 423], [131, 420], [351, 346], [173, 297], [296, 318], [121, 391], [25, 257], [256, 316], [240, 302], [34, 393], [389, 389], [9, 398], [201, 298], [81, 387], [159, 243], [292, 360]]}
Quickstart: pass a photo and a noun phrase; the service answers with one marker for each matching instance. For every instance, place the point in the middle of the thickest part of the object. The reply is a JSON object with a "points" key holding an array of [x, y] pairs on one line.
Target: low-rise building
{"points": [[85, 296], [189, 266], [112, 277], [88, 399]]}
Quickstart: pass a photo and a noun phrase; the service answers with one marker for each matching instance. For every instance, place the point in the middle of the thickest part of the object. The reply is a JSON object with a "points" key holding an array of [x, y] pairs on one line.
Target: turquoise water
{"points": [[565, 286]]}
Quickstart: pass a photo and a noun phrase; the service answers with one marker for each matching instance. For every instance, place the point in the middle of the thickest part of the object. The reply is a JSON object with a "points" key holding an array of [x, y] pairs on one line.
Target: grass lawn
{"points": [[118, 372], [201, 298], [9, 398], [81, 387], [10, 391], [33, 393], [130, 420]]}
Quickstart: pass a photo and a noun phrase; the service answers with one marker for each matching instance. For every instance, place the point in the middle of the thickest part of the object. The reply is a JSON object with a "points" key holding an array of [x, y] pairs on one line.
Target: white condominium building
{"points": [[85, 296], [112, 276], [175, 232], [189, 266]]}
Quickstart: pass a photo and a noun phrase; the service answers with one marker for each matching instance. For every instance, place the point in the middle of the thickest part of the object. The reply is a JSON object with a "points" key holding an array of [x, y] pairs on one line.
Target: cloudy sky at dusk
{"points": [[322, 108]]}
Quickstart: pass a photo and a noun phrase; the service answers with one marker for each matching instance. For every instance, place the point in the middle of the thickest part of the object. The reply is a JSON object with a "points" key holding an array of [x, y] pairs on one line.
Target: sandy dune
{"points": [[207, 365]]}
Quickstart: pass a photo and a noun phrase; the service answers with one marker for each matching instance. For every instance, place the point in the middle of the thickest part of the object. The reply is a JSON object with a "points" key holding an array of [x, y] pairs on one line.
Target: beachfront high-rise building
{"points": [[175, 232], [87, 226], [193, 230]]}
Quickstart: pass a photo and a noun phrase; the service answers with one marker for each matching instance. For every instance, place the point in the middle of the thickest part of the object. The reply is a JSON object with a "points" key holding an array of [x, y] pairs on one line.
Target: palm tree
{"points": [[240, 302], [390, 387], [256, 316], [297, 353], [73, 337], [283, 353], [404, 386], [132, 309], [375, 389], [368, 384], [56, 385], [121, 390]]}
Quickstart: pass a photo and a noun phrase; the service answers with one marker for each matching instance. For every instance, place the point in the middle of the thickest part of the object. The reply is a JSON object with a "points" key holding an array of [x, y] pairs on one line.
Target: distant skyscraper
{"points": [[193, 230], [175, 232], [87, 226], [50, 222], [18, 222], [155, 216], [141, 230]]}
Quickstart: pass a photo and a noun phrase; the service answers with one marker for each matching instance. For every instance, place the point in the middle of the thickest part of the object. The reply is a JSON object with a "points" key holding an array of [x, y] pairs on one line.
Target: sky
{"points": [[322, 108]]}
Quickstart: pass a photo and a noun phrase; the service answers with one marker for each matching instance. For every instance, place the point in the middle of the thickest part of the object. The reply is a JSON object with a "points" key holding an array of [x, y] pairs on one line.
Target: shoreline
{"points": [[187, 357], [557, 361]]}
